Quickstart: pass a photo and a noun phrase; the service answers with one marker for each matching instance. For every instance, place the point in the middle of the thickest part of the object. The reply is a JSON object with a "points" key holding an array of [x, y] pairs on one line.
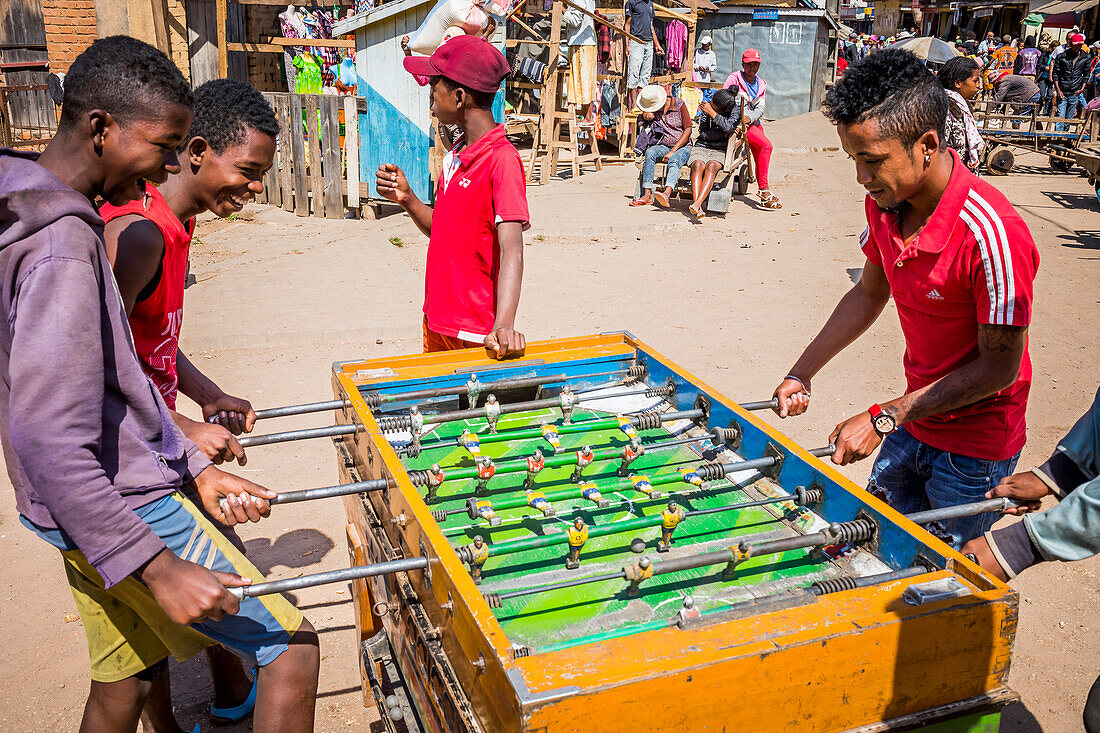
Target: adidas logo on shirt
{"points": [[934, 295]]}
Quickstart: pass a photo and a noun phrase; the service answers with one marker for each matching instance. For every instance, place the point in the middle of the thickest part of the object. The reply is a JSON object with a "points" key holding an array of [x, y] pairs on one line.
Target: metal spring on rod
{"points": [[373, 400], [663, 391], [521, 651], [725, 435], [493, 599], [439, 515], [857, 530], [833, 585], [464, 554], [420, 478], [637, 371], [394, 423], [710, 472], [649, 420]]}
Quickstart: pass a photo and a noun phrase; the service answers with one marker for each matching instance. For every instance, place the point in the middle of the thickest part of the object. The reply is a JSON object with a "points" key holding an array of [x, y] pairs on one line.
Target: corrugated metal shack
{"points": [[797, 46]]}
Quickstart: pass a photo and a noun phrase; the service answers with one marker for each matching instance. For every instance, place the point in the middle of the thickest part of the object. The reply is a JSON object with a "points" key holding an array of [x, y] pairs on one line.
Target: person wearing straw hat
{"points": [[667, 121], [705, 61]]}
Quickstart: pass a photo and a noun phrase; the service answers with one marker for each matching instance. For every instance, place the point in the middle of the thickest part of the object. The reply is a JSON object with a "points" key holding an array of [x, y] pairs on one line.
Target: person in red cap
{"points": [[475, 254], [1070, 71], [750, 90]]}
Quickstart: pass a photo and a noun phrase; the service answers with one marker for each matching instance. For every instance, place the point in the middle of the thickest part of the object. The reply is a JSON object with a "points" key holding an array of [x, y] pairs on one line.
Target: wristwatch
{"points": [[884, 424]]}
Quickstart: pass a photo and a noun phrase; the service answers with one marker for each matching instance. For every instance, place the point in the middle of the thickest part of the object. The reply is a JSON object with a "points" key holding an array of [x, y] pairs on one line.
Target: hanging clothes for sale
{"points": [[676, 34], [660, 60], [308, 78], [603, 41], [291, 25], [610, 108]]}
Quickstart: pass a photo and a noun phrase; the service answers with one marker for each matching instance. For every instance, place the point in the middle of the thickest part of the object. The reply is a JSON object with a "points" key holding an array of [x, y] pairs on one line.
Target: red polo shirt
{"points": [[973, 263], [481, 186]]}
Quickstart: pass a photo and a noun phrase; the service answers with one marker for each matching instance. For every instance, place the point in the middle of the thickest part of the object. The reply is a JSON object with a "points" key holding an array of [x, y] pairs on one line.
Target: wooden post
{"points": [[549, 98], [160, 25], [351, 150], [221, 14], [333, 161], [286, 157], [313, 139], [298, 151]]}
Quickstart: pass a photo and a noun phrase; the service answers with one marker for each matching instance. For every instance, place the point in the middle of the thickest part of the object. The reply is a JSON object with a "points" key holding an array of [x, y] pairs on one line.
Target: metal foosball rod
{"points": [[415, 420], [855, 531], [473, 388]]}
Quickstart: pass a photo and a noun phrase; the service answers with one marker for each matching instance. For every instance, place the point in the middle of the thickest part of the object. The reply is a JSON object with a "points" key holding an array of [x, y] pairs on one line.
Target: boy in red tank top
{"points": [[230, 146]]}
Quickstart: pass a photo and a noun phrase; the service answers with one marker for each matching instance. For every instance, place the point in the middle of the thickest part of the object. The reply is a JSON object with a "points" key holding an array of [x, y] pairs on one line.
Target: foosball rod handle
{"points": [[343, 575]]}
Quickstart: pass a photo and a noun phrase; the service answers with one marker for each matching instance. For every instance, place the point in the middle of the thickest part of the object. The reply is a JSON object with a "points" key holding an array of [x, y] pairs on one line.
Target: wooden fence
{"points": [[316, 170], [28, 117]]}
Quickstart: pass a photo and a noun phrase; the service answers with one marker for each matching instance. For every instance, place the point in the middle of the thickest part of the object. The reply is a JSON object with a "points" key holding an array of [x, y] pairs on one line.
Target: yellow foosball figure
{"points": [[671, 516], [578, 535]]}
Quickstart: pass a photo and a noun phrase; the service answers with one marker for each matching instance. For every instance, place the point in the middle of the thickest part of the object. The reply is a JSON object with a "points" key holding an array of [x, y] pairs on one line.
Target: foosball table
{"points": [[590, 538]]}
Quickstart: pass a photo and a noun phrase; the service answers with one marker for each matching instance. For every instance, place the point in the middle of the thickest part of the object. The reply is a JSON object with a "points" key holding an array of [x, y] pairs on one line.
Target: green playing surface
{"points": [[584, 613]]}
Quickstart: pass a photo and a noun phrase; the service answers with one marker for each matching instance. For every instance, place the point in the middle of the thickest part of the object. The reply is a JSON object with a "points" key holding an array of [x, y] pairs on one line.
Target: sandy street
{"points": [[733, 299]]}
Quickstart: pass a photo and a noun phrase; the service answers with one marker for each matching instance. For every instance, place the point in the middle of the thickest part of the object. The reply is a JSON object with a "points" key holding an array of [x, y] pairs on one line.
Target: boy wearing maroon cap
{"points": [[475, 256]]}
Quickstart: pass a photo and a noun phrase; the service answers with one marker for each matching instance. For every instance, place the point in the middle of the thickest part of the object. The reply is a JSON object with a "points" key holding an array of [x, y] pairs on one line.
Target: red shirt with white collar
{"points": [[973, 263], [481, 186]]}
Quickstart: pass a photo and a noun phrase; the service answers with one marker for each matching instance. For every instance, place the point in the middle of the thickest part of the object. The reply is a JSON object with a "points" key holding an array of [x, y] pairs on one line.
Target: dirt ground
{"points": [[733, 299]]}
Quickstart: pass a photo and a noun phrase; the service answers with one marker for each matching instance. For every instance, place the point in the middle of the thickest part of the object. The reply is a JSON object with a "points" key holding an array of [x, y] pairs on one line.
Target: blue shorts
{"points": [[912, 476], [128, 631]]}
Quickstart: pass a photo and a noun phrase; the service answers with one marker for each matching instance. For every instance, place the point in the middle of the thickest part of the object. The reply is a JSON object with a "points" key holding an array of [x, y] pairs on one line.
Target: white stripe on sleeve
{"points": [[1006, 255]]}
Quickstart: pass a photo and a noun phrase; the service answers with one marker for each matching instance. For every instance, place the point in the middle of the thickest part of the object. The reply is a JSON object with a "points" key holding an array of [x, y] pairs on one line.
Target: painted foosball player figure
{"points": [[551, 435], [536, 462], [537, 500], [584, 459], [631, 452], [671, 516], [578, 535], [591, 492], [486, 469], [479, 554]]}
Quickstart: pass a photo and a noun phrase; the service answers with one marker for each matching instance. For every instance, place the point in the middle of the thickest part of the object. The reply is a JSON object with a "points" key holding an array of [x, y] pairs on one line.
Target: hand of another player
{"points": [[392, 184], [231, 499], [505, 342], [855, 439], [793, 398], [233, 413], [190, 593], [979, 548], [216, 443], [1025, 488], [404, 42]]}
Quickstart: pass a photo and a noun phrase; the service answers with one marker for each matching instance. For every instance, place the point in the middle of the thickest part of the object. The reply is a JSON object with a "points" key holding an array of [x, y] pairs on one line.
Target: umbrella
{"points": [[932, 50]]}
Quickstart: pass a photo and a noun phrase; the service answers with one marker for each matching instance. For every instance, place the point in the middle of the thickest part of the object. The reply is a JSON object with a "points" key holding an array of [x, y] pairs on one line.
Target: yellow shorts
{"points": [[128, 631]]}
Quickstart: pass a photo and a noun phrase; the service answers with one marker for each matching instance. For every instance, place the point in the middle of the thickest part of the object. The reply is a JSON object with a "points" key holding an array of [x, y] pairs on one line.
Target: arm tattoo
{"points": [[1000, 350], [1001, 339]]}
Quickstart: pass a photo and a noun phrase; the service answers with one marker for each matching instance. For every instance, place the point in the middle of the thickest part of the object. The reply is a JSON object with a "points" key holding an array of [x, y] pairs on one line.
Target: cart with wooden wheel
{"points": [[1010, 126]]}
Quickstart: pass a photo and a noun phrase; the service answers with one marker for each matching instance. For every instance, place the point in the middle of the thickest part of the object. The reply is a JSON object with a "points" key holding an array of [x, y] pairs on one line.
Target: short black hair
{"points": [[482, 100], [123, 77], [894, 88], [955, 70], [225, 110], [722, 101]]}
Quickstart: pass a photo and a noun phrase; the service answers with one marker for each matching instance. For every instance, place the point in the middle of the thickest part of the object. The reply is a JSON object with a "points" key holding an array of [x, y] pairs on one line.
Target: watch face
{"points": [[885, 424]]}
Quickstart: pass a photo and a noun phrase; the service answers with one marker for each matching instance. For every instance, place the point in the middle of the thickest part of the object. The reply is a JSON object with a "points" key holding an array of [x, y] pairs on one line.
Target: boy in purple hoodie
{"points": [[96, 462]]}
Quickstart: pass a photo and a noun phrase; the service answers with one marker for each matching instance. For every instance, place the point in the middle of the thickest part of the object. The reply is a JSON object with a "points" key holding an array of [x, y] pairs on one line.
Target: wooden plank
{"points": [[333, 180], [313, 139], [351, 149], [298, 150], [221, 13], [549, 97], [254, 48], [313, 42], [286, 167], [200, 28], [160, 25]]}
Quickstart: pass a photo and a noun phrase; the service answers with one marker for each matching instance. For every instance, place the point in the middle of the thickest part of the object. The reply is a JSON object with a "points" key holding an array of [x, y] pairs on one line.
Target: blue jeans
{"points": [[653, 154], [912, 476], [1068, 107]]}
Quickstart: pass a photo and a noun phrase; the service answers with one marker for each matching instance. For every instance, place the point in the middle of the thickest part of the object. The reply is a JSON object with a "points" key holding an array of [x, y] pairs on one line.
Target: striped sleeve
{"points": [[1003, 263], [869, 248]]}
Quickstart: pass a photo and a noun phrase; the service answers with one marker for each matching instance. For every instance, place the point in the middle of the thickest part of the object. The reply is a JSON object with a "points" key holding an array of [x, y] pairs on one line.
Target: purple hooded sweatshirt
{"points": [[87, 438]]}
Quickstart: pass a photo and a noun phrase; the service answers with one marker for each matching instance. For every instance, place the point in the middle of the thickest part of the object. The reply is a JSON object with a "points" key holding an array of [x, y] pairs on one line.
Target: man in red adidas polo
{"points": [[475, 247], [959, 263]]}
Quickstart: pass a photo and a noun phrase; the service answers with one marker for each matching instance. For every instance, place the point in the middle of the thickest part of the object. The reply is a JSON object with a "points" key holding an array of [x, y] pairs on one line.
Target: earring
{"points": [[927, 159]]}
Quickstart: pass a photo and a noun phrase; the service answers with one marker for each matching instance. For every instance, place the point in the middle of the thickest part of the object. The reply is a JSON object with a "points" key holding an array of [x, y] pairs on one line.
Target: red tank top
{"points": [[156, 319]]}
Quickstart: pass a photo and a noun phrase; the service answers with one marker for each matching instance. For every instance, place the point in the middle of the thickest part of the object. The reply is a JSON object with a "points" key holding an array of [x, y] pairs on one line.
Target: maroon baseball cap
{"points": [[469, 60]]}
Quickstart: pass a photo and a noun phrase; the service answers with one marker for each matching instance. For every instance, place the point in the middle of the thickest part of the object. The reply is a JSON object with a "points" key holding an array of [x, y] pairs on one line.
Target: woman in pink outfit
{"points": [[750, 89]]}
